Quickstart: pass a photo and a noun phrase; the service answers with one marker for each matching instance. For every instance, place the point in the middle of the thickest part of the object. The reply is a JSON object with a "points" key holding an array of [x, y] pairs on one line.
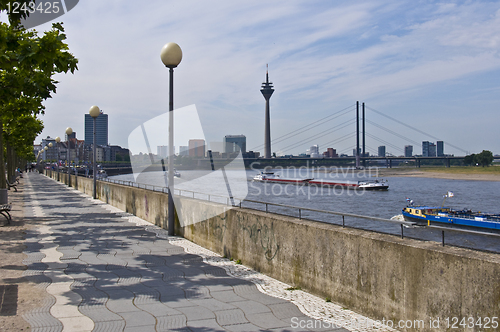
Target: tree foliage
{"points": [[28, 63], [485, 158]]}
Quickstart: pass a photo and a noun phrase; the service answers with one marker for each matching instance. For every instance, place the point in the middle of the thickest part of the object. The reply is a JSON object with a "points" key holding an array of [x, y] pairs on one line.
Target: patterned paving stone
{"points": [[204, 325], [169, 323], [138, 318], [226, 296], [230, 317], [134, 278], [109, 326], [196, 313]]}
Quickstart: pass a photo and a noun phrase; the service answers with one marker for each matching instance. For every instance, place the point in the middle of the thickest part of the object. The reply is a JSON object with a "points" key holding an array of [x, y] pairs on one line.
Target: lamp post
{"points": [[58, 139], [45, 148], [69, 131], [94, 112], [50, 146], [171, 56]]}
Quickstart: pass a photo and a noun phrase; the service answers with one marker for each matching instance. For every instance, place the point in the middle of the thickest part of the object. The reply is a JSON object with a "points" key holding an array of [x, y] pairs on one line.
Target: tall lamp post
{"points": [[69, 131], [171, 56], [58, 139], [94, 112], [50, 147]]}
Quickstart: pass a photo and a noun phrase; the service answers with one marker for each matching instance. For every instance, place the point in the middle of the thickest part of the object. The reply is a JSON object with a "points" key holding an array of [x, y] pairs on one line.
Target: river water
{"points": [[475, 195]]}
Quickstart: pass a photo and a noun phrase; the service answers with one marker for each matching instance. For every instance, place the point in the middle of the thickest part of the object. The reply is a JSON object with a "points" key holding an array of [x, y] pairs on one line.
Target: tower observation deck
{"points": [[267, 91]]}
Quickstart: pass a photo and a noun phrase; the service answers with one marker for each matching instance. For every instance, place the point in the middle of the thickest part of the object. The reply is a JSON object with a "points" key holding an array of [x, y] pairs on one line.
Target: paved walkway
{"points": [[107, 274]]}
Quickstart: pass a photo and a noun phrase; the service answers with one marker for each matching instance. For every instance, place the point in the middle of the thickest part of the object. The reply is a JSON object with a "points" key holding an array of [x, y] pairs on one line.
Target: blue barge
{"points": [[445, 215]]}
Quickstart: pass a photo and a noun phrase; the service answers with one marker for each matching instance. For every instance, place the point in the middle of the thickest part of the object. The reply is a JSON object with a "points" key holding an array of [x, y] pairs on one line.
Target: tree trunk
{"points": [[3, 183], [10, 163]]}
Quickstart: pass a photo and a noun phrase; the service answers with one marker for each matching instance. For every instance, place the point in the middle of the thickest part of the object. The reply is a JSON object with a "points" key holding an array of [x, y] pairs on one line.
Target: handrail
{"points": [[300, 209]]}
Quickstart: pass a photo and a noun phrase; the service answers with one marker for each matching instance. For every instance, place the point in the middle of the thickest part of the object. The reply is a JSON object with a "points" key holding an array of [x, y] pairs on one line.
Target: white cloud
{"points": [[320, 54]]}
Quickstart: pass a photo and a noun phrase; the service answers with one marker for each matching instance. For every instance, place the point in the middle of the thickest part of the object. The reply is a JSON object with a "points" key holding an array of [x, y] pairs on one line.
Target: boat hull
{"points": [[452, 221]]}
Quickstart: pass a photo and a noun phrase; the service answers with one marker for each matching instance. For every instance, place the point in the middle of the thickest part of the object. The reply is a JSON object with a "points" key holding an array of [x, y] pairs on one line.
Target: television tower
{"points": [[267, 91]]}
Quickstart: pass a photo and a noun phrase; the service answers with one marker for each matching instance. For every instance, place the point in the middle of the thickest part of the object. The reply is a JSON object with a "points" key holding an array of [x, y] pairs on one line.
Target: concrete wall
{"points": [[378, 275]]}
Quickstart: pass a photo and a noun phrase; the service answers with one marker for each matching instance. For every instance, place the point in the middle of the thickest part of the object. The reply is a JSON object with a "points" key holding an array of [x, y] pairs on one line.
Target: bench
{"points": [[4, 210], [11, 185]]}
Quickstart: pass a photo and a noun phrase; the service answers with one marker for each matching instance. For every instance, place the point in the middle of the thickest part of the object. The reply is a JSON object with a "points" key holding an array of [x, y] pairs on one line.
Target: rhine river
{"points": [[475, 195]]}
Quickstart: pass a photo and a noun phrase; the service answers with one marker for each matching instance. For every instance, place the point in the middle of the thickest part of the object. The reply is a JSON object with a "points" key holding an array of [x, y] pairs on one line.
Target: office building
{"points": [[428, 149], [425, 148], [440, 148], [408, 150], [196, 148], [101, 129], [432, 150], [381, 151], [235, 144]]}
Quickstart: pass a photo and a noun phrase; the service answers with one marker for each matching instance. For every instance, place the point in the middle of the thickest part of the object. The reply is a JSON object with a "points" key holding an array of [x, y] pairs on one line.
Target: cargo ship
{"points": [[271, 177], [445, 215]]}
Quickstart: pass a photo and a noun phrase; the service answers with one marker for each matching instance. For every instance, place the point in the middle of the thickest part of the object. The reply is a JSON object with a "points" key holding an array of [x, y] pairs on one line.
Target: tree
{"points": [[485, 158], [27, 65], [470, 160]]}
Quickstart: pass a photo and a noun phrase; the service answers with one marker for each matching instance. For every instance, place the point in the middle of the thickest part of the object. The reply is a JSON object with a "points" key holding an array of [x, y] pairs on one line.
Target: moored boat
{"points": [[271, 177], [445, 215], [276, 178]]}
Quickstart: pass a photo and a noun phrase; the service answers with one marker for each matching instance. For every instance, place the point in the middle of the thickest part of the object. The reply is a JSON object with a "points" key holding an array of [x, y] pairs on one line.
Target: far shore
{"points": [[437, 174]]}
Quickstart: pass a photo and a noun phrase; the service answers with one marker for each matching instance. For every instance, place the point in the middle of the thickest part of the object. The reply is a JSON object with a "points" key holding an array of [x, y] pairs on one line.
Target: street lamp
{"points": [[94, 112], [58, 139], [45, 148], [171, 56], [50, 146], [69, 131]]}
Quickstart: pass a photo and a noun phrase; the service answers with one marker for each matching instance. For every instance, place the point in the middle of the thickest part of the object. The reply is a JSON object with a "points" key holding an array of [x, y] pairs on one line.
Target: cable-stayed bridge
{"points": [[344, 126]]}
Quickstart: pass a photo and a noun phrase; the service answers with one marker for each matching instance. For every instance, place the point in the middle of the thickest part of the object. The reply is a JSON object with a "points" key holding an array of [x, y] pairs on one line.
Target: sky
{"points": [[434, 66]]}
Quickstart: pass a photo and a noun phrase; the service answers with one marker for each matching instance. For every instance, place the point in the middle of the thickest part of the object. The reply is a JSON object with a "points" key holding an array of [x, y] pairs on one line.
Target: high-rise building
{"points": [[196, 148], [428, 149], [381, 151], [432, 150], [235, 143], [440, 148], [408, 150], [101, 129], [425, 148]]}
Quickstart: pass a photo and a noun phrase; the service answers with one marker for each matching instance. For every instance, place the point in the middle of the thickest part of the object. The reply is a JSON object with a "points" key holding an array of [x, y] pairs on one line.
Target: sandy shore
{"points": [[398, 172]]}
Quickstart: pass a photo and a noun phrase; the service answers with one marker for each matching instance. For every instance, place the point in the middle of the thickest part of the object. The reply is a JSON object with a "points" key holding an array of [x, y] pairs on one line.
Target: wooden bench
{"points": [[4, 210]]}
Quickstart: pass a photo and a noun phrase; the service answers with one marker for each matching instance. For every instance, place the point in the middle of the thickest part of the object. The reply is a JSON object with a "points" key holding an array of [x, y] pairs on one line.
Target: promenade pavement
{"points": [[107, 274]]}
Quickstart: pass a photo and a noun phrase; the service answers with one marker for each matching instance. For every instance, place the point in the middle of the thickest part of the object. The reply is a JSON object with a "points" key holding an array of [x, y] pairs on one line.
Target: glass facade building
{"points": [[101, 129]]}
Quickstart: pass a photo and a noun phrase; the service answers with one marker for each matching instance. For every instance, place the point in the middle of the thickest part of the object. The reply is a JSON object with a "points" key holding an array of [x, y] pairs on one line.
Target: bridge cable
{"points": [[418, 130]]}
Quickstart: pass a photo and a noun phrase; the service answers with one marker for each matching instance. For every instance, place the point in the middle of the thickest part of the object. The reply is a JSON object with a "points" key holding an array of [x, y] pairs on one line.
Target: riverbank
{"points": [[491, 173]]}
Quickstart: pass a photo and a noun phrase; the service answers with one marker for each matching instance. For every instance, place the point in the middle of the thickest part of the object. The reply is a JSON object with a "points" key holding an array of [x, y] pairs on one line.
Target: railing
{"points": [[238, 202]]}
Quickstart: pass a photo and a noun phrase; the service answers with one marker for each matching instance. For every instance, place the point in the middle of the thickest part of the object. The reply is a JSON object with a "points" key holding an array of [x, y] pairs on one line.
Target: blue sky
{"points": [[432, 65]]}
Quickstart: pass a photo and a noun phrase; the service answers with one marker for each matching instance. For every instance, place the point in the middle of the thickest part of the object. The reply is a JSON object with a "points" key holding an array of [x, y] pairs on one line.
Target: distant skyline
{"points": [[431, 65]]}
